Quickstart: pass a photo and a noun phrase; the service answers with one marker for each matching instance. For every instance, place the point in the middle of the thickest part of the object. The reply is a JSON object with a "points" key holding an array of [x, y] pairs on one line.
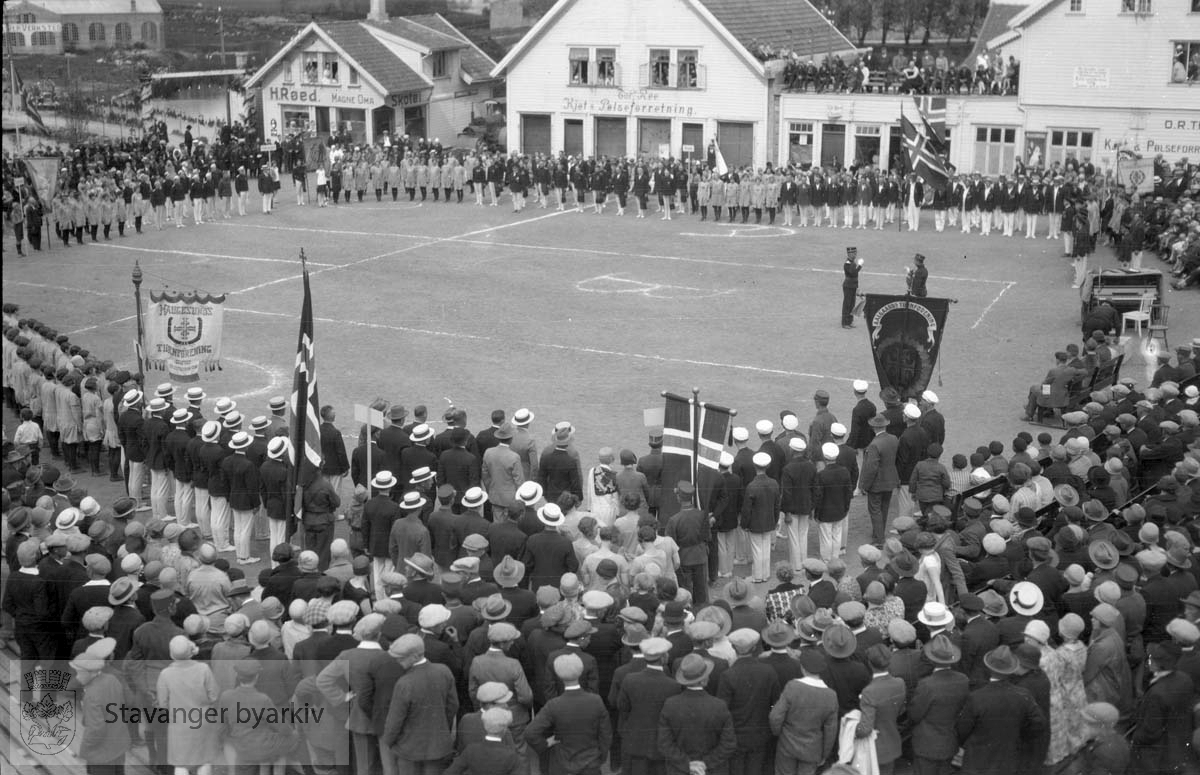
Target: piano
{"points": [[1124, 289]]}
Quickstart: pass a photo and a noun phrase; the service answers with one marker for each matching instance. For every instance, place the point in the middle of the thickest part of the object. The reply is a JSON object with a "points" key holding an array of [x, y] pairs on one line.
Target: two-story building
{"points": [[625, 78], [415, 75], [55, 26], [1095, 76]]}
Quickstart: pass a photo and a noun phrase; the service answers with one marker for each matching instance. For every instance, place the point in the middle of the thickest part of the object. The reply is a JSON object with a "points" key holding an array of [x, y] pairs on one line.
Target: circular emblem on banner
{"points": [[1136, 177], [907, 359]]}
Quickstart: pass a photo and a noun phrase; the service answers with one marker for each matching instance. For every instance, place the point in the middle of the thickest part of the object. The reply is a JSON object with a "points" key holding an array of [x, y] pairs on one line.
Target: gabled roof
{"points": [[95, 7], [790, 24], [417, 34], [476, 65], [997, 22], [358, 45], [1030, 12]]}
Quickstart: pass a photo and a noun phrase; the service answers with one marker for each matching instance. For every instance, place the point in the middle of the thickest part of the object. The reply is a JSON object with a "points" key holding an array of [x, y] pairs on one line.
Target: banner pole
{"points": [[695, 442], [137, 295]]}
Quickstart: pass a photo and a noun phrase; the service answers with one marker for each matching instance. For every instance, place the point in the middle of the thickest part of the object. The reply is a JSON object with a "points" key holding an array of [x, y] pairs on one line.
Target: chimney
{"points": [[378, 11], [133, 6]]}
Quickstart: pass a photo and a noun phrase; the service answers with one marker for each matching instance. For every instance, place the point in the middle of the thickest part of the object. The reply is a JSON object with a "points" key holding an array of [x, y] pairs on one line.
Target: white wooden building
{"points": [[656, 77]]}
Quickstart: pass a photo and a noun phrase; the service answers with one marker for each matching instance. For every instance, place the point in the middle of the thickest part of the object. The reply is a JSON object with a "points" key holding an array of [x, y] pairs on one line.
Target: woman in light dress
{"points": [[1064, 667], [186, 690]]}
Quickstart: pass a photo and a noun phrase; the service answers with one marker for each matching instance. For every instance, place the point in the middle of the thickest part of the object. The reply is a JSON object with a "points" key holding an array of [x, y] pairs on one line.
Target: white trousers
{"points": [[939, 220], [380, 566], [185, 502], [243, 523], [797, 538], [913, 212], [203, 512], [725, 548], [160, 492], [221, 516], [137, 480], [832, 535], [278, 535], [760, 555], [1030, 225], [1009, 222], [985, 221], [906, 504]]}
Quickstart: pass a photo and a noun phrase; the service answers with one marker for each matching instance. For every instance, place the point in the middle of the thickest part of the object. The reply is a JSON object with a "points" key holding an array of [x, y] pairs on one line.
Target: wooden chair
{"points": [[1158, 324], [1139, 316]]}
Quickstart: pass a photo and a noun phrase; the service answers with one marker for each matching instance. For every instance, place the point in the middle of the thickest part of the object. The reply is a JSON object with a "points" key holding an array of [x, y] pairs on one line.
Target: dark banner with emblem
{"points": [[906, 336]]}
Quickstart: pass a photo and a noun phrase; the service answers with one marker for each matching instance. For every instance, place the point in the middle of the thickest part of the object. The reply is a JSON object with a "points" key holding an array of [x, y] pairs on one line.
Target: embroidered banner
{"points": [[183, 333], [906, 335]]}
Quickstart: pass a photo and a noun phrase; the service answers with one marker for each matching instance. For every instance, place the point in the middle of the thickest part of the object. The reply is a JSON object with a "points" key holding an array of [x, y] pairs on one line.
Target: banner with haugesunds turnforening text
{"points": [[906, 336], [183, 334]]}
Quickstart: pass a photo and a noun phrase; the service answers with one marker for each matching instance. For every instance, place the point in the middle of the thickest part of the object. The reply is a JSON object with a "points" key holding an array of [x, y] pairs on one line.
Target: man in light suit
{"points": [[502, 471], [879, 478], [523, 444]]}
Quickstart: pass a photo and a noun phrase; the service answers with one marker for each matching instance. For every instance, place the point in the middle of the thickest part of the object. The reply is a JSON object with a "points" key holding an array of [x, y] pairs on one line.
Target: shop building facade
{"points": [[414, 75], [622, 78], [55, 26]]}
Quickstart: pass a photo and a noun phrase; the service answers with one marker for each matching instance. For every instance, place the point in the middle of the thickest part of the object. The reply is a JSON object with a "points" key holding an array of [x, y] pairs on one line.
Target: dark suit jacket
{"points": [[760, 505], [996, 723], [547, 556], [796, 485], [832, 493], [749, 688], [333, 451], [695, 726], [639, 703], [909, 451], [879, 472], [421, 714], [806, 721], [882, 703], [979, 636], [1163, 725], [487, 757], [933, 711], [559, 471], [580, 723]]}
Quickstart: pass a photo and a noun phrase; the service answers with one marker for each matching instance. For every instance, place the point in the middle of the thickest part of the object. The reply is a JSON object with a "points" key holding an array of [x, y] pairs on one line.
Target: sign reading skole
{"points": [[313, 94]]}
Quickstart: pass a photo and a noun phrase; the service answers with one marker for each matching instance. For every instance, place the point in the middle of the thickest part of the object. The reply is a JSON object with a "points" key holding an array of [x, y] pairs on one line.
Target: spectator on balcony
{"points": [[899, 62], [912, 78]]}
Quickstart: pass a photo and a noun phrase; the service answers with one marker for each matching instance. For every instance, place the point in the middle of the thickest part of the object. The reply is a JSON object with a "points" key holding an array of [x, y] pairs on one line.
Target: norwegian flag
{"points": [[933, 116], [714, 433], [678, 450], [921, 157], [306, 407]]}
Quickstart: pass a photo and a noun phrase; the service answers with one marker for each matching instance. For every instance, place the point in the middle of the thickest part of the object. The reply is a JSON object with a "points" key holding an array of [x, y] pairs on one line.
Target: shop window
{"points": [[1185, 61], [606, 67], [70, 32], [689, 68], [995, 149], [14, 40], [149, 32], [296, 120], [437, 64], [43, 39], [1069, 144], [800, 142], [660, 67], [96, 32], [580, 61], [123, 33]]}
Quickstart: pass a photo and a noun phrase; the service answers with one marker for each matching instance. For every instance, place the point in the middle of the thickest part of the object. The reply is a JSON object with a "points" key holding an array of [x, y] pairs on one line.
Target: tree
{"points": [[888, 13], [929, 14], [971, 12], [909, 13]]}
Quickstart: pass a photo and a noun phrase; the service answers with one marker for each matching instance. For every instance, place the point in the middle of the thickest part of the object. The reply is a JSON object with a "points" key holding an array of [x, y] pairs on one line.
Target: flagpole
{"points": [[695, 443], [137, 295]]}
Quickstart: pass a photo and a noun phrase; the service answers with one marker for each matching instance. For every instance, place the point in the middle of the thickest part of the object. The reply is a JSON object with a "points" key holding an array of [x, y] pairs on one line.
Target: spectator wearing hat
{"points": [[576, 720], [334, 463], [93, 592], [650, 465], [155, 431], [882, 702], [417, 454], [1106, 751], [185, 688], [934, 708], [492, 753], [126, 617], [844, 672], [549, 554], [1162, 721], [442, 539], [379, 514], [350, 674], [930, 480], [694, 726], [497, 664], [265, 741], [210, 589], [1106, 674], [749, 688], [760, 512], [503, 470], [131, 432], [524, 445], [103, 744], [304, 586], [805, 719], [999, 721], [558, 468], [879, 477], [797, 483], [422, 710], [639, 697], [27, 600], [690, 530], [458, 466]]}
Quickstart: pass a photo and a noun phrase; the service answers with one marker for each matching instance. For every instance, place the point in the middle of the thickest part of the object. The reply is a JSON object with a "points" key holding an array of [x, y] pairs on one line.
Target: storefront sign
{"points": [[1173, 137], [324, 95], [54, 27], [629, 102], [409, 99], [1087, 77]]}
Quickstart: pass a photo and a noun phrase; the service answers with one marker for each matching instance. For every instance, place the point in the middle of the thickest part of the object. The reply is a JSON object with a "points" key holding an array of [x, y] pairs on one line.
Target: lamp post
{"points": [[137, 295]]}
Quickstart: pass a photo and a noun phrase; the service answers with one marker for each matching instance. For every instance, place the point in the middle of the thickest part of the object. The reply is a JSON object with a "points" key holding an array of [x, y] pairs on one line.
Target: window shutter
{"points": [[644, 75], [700, 77]]}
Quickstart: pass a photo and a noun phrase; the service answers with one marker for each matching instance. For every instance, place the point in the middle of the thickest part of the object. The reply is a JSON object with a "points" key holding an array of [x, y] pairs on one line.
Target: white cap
{"points": [[797, 444], [860, 386], [838, 430], [791, 422], [929, 396], [829, 450], [764, 427], [911, 412], [761, 459], [726, 460], [741, 434]]}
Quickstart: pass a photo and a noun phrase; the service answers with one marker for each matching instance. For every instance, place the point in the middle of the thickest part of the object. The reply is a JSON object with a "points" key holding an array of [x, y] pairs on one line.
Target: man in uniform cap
{"points": [[760, 511], [689, 528], [850, 268], [651, 466]]}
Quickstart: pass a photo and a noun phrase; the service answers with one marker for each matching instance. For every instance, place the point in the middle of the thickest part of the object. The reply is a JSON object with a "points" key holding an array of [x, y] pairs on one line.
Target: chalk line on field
{"points": [[554, 346], [116, 246], [988, 308], [351, 232], [69, 290], [100, 325], [277, 378]]}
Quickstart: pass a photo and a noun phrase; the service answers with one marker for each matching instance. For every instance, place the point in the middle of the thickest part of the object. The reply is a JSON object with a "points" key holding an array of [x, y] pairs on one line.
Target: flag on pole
{"points": [[932, 111], [306, 428], [678, 450], [21, 97], [714, 432], [722, 167], [922, 159]]}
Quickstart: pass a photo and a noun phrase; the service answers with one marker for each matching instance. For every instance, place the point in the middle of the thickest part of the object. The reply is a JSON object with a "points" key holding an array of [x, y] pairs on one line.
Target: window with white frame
{"points": [[43, 39], [437, 64], [1137, 6], [1185, 61], [1069, 144], [329, 68], [606, 67], [1076, 6], [995, 149], [800, 142], [580, 61], [689, 68], [660, 67]]}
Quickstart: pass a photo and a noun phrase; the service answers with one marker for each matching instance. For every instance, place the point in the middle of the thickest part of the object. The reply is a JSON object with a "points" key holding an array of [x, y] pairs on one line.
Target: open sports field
{"points": [[577, 316]]}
